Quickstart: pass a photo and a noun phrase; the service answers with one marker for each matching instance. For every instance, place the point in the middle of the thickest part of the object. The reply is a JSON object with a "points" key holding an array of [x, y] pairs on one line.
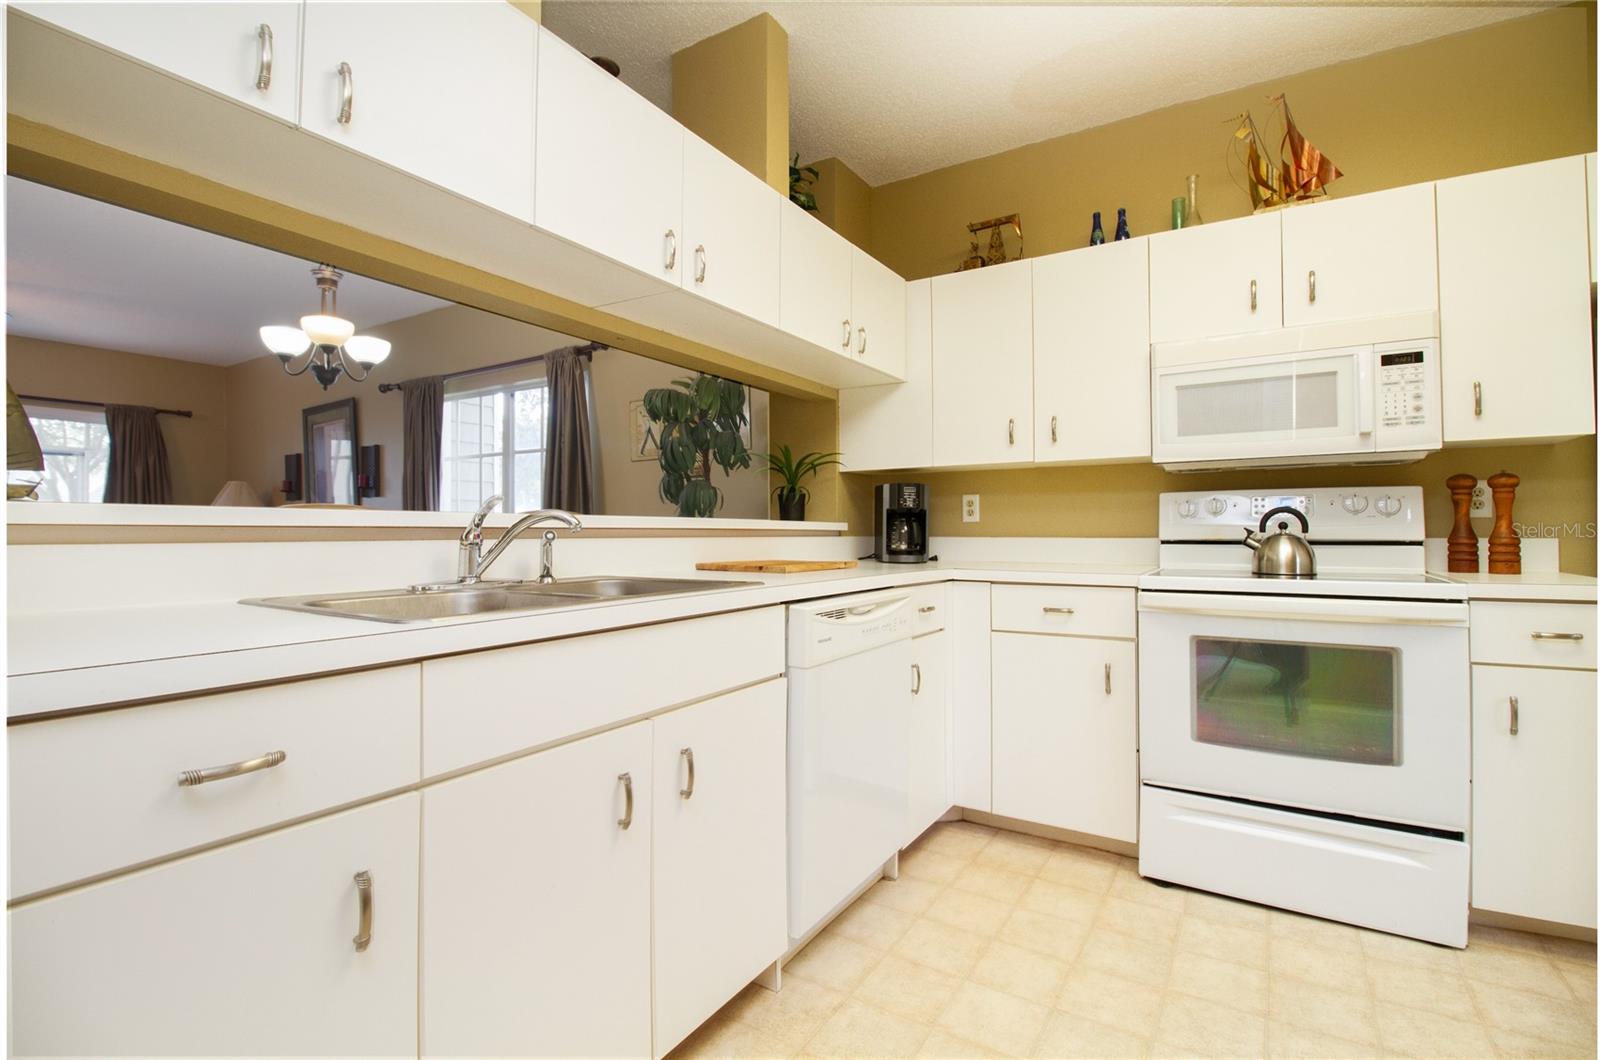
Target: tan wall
{"points": [[1517, 91], [844, 201], [265, 405], [196, 447], [732, 90]]}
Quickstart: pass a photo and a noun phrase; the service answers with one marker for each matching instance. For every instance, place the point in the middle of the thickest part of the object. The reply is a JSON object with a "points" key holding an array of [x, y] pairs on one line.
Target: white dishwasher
{"points": [[849, 746]]}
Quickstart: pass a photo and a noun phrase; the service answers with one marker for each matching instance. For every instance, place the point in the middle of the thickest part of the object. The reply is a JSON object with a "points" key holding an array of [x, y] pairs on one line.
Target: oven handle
{"points": [[1307, 609]]}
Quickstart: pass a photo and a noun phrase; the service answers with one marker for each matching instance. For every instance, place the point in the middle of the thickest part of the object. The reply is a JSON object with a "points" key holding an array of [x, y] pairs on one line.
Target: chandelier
{"points": [[328, 342]]}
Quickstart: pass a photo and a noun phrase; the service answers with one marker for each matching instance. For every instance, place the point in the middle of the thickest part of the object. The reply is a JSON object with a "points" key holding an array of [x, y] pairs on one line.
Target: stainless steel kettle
{"points": [[1284, 553]]}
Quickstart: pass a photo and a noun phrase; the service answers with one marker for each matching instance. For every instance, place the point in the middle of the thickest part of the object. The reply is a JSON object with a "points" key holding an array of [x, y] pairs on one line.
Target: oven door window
{"points": [[1324, 701]]}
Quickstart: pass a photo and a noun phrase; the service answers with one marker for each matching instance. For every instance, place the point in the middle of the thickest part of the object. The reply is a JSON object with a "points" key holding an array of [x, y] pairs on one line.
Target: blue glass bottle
{"points": [[1097, 235], [1122, 224]]}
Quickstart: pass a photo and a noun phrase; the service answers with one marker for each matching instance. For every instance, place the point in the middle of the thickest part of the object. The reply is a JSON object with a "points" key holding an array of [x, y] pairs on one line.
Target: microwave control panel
{"points": [[1407, 397]]}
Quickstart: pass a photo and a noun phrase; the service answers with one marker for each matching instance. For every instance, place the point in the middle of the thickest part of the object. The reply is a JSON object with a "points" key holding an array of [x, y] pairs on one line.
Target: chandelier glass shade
{"points": [[327, 342]]}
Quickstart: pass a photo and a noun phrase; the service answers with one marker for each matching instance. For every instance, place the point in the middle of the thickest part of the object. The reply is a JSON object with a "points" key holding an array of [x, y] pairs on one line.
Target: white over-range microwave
{"points": [[1275, 401]]}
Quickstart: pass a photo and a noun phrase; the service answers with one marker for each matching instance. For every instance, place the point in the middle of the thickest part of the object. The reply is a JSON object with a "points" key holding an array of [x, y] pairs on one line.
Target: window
{"points": [[76, 449], [493, 442]]}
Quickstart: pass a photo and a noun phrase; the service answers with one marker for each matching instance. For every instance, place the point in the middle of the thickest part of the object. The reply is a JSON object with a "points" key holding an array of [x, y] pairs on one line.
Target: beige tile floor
{"points": [[999, 944]]}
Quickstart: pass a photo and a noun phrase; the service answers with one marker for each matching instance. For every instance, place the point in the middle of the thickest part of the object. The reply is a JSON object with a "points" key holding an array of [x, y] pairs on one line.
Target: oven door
{"points": [[1358, 707], [1285, 405]]}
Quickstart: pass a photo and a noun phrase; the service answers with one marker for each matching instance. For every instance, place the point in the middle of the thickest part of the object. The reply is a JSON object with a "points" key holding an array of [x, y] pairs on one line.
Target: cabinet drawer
{"points": [[1533, 634], [488, 704], [1088, 611], [930, 609], [98, 792]]}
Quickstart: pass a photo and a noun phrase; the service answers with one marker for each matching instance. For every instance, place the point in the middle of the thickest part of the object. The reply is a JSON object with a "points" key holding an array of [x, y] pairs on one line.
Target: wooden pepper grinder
{"points": [[1463, 541], [1505, 547]]}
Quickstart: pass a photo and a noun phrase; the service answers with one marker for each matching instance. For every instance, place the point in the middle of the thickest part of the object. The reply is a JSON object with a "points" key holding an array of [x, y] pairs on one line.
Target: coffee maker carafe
{"points": [[900, 531]]}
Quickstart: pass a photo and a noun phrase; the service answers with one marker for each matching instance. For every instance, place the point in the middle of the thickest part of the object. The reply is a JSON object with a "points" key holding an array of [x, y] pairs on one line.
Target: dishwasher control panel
{"points": [[823, 630]]}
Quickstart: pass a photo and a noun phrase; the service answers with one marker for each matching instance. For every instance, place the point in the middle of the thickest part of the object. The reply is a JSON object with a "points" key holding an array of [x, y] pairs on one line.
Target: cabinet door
{"points": [[1091, 353], [1515, 339], [247, 51], [1365, 256], [248, 948], [720, 914], [983, 366], [1065, 733], [1533, 793], [971, 696], [730, 232], [609, 165], [1216, 279], [443, 91], [891, 426], [878, 310], [814, 303], [536, 905], [929, 785]]}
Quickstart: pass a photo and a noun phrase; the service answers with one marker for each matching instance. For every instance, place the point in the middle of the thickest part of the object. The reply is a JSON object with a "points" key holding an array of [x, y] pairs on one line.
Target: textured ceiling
{"points": [[900, 87], [82, 271]]}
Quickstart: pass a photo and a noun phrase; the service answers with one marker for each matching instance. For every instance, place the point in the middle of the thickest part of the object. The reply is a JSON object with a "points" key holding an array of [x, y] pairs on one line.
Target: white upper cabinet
{"points": [[730, 232], [1516, 340], [1365, 256], [444, 91], [891, 426], [1091, 354], [815, 299], [609, 165], [983, 366], [1216, 279], [878, 311], [249, 52]]}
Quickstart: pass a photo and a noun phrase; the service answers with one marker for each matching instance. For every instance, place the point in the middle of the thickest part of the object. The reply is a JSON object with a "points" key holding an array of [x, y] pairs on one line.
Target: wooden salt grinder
{"points": [[1463, 541], [1505, 548]]}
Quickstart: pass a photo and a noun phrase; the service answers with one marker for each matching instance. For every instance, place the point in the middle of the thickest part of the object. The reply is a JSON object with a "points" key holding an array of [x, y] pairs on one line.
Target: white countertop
{"points": [[73, 660], [1539, 585]]}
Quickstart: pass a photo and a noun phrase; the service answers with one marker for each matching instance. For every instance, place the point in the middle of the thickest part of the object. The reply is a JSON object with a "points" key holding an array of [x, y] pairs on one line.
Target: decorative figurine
{"points": [[1505, 547], [1463, 540]]}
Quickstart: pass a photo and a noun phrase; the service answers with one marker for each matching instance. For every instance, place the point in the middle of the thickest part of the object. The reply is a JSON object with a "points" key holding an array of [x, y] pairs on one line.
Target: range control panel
{"points": [[1376, 513]]}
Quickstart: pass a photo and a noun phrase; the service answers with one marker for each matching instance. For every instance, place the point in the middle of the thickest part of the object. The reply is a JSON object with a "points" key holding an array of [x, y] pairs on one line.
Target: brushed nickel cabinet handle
{"points": [[347, 92], [861, 345], [1059, 611], [1515, 716], [1557, 636], [1311, 285], [1011, 432], [672, 250], [700, 263], [363, 937], [1052, 430], [1108, 679], [1252, 296], [1477, 399], [193, 778], [928, 610], [916, 679], [846, 342], [687, 754], [626, 820], [264, 58]]}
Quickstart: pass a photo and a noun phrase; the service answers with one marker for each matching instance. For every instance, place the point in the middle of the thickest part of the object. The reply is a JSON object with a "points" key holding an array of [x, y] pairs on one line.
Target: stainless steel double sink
{"points": [[422, 603]]}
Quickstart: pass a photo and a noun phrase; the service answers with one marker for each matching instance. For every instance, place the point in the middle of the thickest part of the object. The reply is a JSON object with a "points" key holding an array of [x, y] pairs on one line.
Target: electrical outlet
{"points": [[1482, 500], [969, 507]]}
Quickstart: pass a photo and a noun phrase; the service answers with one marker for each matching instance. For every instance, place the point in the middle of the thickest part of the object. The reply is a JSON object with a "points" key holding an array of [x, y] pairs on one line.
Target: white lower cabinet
{"points": [[1533, 792], [928, 786], [1066, 733], [247, 948], [536, 904]]}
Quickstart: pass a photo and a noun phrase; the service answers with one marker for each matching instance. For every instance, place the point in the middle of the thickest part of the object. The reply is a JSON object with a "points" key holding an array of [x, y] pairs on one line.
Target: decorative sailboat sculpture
{"points": [[1302, 172]]}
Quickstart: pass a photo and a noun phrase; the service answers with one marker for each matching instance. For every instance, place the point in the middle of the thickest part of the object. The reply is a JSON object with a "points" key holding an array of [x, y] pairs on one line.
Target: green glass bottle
{"points": [[1097, 235]]}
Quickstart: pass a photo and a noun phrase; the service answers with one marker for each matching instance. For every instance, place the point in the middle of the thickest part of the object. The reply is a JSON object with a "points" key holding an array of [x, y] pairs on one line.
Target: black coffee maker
{"points": [[900, 523]]}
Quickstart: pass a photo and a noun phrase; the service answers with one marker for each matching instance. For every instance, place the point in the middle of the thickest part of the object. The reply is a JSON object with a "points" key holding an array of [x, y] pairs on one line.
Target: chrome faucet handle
{"points": [[474, 530]]}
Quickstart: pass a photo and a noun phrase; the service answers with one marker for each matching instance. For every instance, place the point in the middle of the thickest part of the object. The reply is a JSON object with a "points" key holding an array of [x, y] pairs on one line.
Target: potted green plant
{"points": [[698, 422], [800, 180], [794, 470]]}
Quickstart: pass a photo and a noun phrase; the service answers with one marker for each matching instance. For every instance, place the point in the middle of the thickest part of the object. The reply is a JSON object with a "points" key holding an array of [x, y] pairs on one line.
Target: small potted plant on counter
{"points": [[793, 470]]}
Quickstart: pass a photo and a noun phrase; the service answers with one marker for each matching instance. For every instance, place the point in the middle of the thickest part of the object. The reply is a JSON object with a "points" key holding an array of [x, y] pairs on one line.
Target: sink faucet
{"points": [[472, 562]]}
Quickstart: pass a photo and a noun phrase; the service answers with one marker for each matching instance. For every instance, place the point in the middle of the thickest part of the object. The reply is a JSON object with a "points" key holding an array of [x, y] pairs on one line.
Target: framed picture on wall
{"points": [[330, 453]]}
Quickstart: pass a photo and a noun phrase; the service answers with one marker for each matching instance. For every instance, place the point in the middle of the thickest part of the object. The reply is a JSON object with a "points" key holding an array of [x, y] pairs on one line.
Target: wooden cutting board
{"points": [[778, 566]]}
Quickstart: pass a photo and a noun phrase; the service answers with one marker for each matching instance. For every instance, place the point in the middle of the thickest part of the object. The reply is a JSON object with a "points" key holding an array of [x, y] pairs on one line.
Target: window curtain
{"points": [[137, 472], [422, 445], [569, 463]]}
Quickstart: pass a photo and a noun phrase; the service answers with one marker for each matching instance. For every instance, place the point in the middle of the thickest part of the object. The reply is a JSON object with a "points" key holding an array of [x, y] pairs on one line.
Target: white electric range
{"points": [[1305, 743]]}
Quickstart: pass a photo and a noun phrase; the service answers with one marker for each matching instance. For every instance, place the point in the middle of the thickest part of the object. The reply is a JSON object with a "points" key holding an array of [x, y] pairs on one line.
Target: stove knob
{"points": [[1388, 506], [1187, 509], [1355, 504], [1216, 505]]}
